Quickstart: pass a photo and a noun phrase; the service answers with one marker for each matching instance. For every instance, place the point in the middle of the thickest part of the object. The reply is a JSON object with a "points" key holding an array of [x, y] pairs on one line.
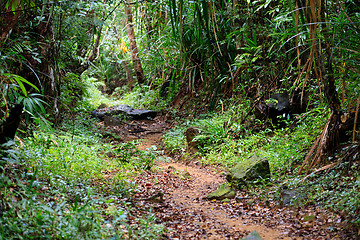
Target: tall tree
{"points": [[134, 51]]}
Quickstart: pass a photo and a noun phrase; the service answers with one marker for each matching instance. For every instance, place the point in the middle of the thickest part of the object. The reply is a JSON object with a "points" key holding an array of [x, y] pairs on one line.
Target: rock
{"points": [[112, 121], [254, 235], [278, 105], [281, 102], [142, 114], [118, 110], [248, 171], [223, 192], [126, 110], [99, 113], [191, 133], [292, 196]]}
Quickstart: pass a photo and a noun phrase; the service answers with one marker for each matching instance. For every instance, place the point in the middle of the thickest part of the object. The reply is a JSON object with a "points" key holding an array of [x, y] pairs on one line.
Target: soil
{"points": [[176, 191]]}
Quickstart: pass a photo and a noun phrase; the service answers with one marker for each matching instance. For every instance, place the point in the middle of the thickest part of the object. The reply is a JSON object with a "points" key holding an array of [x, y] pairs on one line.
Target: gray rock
{"points": [[142, 114], [112, 121], [120, 109], [292, 196], [124, 109], [254, 235], [280, 102], [223, 192], [249, 170]]}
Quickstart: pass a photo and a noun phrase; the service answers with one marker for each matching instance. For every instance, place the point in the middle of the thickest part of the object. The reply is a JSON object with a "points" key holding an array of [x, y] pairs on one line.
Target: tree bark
{"points": [[95, 49], [134, 51], [8, 21]]}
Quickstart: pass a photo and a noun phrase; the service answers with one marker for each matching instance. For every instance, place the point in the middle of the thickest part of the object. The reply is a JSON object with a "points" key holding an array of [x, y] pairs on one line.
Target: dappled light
{"points": [[179, 119]]}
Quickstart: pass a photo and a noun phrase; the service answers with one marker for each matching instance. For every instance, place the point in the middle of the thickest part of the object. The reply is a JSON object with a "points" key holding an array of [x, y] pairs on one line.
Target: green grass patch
{"points": [[59, 185]]}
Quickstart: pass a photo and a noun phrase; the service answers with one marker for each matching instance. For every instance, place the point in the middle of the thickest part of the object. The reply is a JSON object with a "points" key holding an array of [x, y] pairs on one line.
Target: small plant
{"points": [[61, 186], [175, 139], [128, 154]]}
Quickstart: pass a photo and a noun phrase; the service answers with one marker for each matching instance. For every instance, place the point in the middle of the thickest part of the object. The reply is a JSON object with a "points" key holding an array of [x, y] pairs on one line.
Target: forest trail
{"points": [[176, 191]]}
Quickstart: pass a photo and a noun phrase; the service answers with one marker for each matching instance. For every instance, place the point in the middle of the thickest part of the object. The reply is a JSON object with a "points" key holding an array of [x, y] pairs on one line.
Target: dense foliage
{"points": [[219, 62]]}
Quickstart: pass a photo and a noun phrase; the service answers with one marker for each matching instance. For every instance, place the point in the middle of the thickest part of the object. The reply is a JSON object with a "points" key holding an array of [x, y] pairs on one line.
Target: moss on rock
{"points": [[248, 171]]}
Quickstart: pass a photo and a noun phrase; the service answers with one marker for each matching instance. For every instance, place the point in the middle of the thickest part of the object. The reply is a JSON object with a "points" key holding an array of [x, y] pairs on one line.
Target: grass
{"points": [[64, 186]]}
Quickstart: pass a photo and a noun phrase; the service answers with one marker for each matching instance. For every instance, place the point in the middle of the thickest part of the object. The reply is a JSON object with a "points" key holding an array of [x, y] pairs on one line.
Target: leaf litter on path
{"points": [[177, 191]]}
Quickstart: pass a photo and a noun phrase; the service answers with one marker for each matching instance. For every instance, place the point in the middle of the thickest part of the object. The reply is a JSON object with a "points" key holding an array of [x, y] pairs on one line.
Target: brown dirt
{"points": [[187, 214]]}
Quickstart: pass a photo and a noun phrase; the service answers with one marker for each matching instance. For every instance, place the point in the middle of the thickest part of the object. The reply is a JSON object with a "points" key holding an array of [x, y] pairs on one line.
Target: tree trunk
{"points": [[95, 49], [8, 21], [124, 63], [134, 51]]}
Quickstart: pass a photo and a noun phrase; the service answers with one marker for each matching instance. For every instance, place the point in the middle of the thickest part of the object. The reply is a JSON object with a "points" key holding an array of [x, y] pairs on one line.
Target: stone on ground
{"points": [[292, 196], [126, 110], [223, 192], [249, 170], [254, 235]]}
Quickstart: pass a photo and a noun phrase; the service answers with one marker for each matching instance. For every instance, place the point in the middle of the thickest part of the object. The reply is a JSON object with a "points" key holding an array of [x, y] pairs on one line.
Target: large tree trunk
{"points": [[134, 51]]}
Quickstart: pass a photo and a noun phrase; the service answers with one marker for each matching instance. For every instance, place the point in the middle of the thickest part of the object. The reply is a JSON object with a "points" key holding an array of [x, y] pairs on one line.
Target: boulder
{"points": [[142, 114], [118, 110], [126, 110], [223, 192], [112, 121], [280, 102], [254, 235], [248, 171], [277, 105]]}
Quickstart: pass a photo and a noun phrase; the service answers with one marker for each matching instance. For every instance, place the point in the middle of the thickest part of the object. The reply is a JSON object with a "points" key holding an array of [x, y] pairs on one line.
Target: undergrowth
{"points": [[55, 185], [223, 141]]}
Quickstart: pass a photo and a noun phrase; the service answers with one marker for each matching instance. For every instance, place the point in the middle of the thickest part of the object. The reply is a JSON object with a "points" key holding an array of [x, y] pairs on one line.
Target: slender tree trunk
{"points": [[95, 50], [134, 51], [124, 63]]}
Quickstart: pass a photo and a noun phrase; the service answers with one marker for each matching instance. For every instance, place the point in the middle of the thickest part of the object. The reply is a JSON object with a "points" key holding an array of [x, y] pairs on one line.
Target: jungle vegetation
{"points": [[217, 62]]}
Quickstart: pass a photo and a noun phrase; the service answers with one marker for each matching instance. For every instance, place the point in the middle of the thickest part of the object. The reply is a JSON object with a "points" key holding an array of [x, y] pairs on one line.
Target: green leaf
{"points": [[7, 4], [20, 80], [14, 5]]}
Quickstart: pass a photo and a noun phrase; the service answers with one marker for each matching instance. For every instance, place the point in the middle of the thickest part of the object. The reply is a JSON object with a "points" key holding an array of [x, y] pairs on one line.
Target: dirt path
{"points": [[215, 221], [183, 208], [177, 191]]}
